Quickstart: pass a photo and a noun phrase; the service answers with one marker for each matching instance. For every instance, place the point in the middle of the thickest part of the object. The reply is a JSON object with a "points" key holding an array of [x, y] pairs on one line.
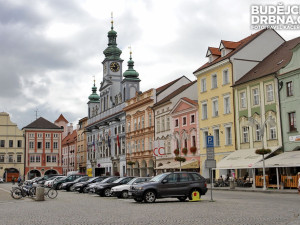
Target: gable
{"points": [[182, 106]]}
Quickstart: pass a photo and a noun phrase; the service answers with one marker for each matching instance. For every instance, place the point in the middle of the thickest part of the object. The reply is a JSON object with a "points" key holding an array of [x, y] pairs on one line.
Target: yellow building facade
{"points": [[216, 112]]}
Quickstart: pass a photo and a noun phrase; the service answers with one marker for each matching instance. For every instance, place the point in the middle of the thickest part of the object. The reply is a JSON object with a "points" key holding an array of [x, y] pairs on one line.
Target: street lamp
{"points": [[252, 122]]}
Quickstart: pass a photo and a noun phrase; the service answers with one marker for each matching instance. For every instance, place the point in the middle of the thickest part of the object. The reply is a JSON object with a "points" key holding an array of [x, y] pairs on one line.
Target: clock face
{"points": [[114, 66]]}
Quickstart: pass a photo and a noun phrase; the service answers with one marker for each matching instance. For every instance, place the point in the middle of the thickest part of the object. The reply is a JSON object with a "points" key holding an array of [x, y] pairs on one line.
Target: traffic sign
{"points": [[210, 164], [210, 154], [209, 141]]}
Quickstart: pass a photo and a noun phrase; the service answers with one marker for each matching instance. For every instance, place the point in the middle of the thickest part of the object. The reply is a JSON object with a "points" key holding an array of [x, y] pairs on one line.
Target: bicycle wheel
{"points": [[32, 192], [16, 193], [52, 193]]}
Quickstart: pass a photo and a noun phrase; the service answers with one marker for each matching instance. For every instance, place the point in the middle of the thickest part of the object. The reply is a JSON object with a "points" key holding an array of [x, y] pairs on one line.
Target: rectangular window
{"points": [[204, 111], [19, 158], [257, 133], [192, 118], [228, 136], [193, 141], [169, 147], [245, 134], [55, 145], [168, 123], [203, 85], [47, 135], [1, 158], [32, 158], [226, 105], [184, 121], [54, 158], [217, 137], [225, 77], [2, 143], [19, 143], [163, 124], [31, 135], [273, 133], [243, 99], [143, 122], [143, 145], [255, 96], [39, 145], [11, 143], [37, 158], [158, 125], [48, 158], [270, 95], [289, 88], [40, 135], [31, 145], [47, 145], [139, 123], [176, 123], [116, 131], [205, 134], [135, 124], [55, 135], [215, 108], [150, 120], [292, 121], [128, 127], [10, 158], [214, 81]]}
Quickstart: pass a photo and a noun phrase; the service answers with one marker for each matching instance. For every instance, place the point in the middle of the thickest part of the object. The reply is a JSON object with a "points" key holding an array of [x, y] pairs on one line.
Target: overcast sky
{"points": [[50, 49]]}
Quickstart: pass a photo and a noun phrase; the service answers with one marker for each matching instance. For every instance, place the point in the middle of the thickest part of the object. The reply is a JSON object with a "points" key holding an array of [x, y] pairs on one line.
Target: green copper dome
{"points": [[112, 52], [130, 73], [94, 97]]}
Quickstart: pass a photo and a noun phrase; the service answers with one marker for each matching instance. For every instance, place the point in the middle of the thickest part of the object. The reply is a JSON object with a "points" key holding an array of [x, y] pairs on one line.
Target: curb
{"points": [[260, 191]]}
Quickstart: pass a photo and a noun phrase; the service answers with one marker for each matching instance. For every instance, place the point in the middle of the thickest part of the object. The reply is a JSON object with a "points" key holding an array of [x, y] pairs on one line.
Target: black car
{"points": [[42, 180], [81, 187], [93, 187], [104, 189], [57, 185], [179, 185], [68, 185]]}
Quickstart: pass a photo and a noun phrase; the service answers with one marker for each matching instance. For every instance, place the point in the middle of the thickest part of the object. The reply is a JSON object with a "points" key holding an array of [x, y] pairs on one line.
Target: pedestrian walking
{"points": [[13, 180], [19, 180]]}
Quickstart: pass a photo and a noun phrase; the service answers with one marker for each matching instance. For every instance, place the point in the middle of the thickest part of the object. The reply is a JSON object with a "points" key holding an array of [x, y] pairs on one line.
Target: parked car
{"points": [[68, 186], [92, 187], [57, 184], [81, 187], [121, 191], [50, 181], [179, 185], [42, 180], [104, 189]]}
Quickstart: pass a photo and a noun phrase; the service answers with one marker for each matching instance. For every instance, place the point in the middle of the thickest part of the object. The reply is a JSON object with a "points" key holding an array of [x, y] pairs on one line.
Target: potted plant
{"points": [[193, 150], [180, 159], [262, 151], [184, 151], [176, 151]]}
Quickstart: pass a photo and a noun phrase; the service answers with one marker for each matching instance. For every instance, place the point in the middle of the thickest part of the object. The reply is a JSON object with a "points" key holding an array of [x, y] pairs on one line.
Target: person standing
{"points": [[19, 180]]}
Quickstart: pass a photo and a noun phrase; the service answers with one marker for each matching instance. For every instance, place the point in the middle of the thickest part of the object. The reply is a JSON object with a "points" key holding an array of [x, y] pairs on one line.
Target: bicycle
{"points": [[50, 193], [22, 191]]}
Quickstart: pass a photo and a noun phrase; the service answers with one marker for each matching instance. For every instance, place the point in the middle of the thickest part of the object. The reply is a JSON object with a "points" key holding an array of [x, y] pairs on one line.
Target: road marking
{"points": [[4, 190]]}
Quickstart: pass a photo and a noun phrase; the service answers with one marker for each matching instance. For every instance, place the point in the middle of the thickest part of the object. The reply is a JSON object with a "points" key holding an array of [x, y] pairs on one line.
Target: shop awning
{"points": [[190, 164], [286, 159], [242, 159]]}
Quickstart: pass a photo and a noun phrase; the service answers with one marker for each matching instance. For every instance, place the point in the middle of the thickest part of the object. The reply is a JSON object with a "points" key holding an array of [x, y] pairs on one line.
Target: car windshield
{"points": [[77, 180], [104, 181], [59, 178], [118, 180], [92, 179], [133, 180], [157, 178], [51, 178]]}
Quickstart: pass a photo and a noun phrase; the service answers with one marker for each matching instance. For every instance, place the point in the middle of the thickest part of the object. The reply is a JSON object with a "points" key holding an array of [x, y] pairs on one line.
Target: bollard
{"points": [[40, 194], [231, 184]]}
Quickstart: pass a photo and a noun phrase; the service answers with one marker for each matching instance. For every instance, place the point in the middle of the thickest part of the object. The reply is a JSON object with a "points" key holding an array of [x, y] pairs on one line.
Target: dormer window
{"points": [[223, 52], [210, 58]]}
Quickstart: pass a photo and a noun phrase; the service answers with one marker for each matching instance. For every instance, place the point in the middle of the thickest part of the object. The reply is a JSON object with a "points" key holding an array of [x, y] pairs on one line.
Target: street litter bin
{"points": [[40, 194], [231, 184]]}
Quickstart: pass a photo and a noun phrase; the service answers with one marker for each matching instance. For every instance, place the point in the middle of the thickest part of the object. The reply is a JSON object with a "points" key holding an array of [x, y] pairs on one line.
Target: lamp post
{"points": [[252, 122]]}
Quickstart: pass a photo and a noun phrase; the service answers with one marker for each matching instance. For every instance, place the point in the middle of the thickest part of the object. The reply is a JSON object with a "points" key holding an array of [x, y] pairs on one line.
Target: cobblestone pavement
{"points": [[228, 208]]}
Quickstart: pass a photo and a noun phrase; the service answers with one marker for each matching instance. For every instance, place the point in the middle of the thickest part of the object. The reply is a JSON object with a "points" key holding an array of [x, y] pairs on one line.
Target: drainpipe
{"points": [[279, 89]]}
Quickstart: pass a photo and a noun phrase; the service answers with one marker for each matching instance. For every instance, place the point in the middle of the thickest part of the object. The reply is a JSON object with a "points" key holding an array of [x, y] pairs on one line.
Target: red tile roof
{"points": [[174, 93], [214, 51], [193, 102], [243, 42], [61, 118], [41, 123], [70, 138], [230, 44], [278, 59]]}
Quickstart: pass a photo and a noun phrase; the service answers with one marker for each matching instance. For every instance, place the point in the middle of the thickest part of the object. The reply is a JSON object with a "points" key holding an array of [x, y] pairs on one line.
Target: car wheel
{"points": [[138, 199], [150, 197], [68, 189], [124, 194], [85, 190], [59, 187], [107, 192], [191, 194], [182, 199], [72, 188]]}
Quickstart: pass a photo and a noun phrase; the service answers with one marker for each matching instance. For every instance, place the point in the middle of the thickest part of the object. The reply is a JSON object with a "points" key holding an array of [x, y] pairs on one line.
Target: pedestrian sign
{"points": [[209, 141]]}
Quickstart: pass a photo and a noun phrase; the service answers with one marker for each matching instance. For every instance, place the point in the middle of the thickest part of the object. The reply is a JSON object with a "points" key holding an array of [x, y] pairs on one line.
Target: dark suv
{"points": [[169, 185]]}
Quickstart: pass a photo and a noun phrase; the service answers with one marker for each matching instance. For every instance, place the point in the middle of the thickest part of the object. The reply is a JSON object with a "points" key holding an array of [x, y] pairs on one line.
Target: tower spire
{"points": [[94, 97], [112, 21], [130, 73]]}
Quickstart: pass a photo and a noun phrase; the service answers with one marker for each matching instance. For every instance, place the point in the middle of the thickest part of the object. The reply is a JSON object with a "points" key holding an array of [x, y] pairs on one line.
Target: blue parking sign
{"points": [[209, 141]]}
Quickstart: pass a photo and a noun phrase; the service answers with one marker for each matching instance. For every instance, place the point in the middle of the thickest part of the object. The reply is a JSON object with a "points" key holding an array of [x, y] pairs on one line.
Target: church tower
{"points": [[110, 93], [93, 103], [131, 81]]}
